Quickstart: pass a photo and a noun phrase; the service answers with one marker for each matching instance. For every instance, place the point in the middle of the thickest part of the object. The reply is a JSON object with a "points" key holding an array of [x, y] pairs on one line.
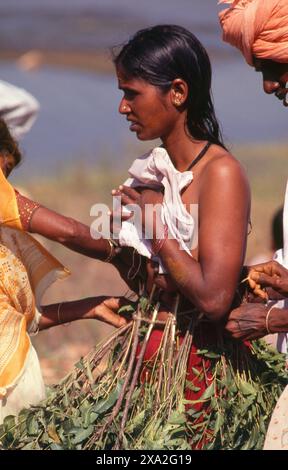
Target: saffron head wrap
{"points": [[257, 27]]}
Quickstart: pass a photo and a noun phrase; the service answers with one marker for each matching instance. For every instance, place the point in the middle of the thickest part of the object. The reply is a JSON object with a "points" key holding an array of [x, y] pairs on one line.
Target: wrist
{"points": [[158, 242], [278, 320]]}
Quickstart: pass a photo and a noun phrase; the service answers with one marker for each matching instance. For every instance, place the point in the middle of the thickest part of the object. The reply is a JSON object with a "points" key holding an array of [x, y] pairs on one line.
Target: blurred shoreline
{"points": [[95, 61], [98, 61]]}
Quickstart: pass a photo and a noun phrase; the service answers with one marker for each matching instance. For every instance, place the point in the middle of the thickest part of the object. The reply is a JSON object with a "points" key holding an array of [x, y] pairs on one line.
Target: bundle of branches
{"points": [[115, 407]]}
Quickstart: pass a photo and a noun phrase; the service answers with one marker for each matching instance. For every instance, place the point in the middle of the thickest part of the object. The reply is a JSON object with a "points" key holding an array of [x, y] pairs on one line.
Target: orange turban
{"points": [[257, 27]]}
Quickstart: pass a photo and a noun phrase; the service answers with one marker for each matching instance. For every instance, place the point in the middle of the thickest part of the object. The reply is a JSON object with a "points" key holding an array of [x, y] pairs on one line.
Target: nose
{"points": [[124, 108], [270, 86]]}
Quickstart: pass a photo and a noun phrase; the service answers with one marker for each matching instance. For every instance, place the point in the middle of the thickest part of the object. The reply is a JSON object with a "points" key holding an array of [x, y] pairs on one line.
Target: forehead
{"points": [[124, 80], [129, 82]]}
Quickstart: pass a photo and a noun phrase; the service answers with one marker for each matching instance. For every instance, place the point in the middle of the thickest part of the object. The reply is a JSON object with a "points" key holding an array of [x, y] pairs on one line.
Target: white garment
{"points": [[277, 436], [29, 389], [156, 170], [18, 108], [282, 257]]}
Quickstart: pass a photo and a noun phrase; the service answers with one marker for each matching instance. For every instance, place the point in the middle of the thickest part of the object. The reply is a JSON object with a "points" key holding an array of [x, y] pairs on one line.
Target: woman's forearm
{"points": [[71, 233], [98, 308], [205, 292], [65, 312]]}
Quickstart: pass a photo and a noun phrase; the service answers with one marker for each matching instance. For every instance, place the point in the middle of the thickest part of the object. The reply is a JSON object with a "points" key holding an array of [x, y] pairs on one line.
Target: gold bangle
{"points": [[267, 320], [113, 250], [58, 313]]}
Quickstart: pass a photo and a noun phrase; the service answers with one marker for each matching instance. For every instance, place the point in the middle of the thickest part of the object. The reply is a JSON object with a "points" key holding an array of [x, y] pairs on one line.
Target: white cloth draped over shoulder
{"points": [[156, 170], [18, 108]]}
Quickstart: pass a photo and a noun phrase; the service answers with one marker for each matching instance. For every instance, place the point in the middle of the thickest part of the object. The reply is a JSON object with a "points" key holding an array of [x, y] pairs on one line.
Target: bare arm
{"points": [[99, 308], [251, 321], [224, 204], [71, 233]]}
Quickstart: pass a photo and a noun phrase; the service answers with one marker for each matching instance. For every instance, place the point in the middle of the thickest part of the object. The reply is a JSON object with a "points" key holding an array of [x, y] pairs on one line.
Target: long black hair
{"points": [[161, 54], [8, 144]]}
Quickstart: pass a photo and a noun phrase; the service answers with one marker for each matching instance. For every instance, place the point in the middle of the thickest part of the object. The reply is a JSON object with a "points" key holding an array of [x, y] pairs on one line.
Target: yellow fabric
{"points": [[9, 214], [26, 270]]}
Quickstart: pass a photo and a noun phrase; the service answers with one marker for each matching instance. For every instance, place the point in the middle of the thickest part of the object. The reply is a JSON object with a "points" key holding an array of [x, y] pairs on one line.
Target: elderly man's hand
{"points": [[272, 275], [247, 322]]}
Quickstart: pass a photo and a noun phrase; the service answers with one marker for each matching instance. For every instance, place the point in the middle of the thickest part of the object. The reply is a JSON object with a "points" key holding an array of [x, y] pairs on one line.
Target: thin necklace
{"points": [[201, 154]]}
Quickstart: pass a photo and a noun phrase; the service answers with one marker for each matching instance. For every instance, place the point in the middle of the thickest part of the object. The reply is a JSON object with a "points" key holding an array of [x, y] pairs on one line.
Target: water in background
{"points": [[96, 23], [79, 120]]}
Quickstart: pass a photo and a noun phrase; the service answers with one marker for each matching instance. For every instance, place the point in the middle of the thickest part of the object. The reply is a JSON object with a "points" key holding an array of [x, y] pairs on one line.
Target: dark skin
{"points": [[220, 188], [250, 320], [56, 227], [69, 232], [66, 230], [270, 274], [94, 308], [76, 236], [275, 77]]}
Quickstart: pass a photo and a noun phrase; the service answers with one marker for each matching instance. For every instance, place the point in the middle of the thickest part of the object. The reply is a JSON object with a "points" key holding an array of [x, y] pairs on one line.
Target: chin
{"points": [[142, 136]]}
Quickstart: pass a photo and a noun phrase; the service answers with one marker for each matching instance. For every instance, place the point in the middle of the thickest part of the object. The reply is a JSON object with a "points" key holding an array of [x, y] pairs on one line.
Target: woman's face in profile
{"points": [[275, 77], [149, 110]]}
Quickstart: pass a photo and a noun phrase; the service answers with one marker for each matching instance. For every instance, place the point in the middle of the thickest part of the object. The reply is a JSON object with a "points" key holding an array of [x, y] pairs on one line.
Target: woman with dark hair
{"points": [[165, 75]]}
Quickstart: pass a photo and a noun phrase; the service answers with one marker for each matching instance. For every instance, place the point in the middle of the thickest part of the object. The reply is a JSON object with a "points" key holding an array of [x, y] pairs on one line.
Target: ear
{"points": [[179, 92]]}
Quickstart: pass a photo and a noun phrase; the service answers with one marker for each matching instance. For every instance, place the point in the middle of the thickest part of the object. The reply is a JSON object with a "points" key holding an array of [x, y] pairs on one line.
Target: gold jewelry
{"points": [[113, 250], [26, 208], [267, 320], [58, 313], [131, 275]]}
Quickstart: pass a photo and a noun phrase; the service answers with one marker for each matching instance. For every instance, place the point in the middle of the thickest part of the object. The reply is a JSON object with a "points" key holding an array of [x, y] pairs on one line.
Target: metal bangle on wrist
{"points": [[114, 250], [267, 320]]}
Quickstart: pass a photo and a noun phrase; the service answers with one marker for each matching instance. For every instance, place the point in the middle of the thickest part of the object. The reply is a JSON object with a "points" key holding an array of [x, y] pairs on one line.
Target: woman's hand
{"points": [[272, 275], [162, 281], [247, 322], [107, 309], [148, 200]]}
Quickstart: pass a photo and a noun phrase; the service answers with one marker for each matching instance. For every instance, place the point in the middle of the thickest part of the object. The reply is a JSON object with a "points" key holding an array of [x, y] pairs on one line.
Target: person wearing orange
{"points": [[258, 28]]}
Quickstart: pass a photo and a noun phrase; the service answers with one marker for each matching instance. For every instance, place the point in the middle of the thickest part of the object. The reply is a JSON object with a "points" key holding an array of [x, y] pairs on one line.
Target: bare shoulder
{"points": [[223, 166]]}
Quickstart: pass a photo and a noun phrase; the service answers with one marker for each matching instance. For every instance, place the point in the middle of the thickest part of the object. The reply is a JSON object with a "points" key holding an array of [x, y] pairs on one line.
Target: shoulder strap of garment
{"points": [[198, 158]]}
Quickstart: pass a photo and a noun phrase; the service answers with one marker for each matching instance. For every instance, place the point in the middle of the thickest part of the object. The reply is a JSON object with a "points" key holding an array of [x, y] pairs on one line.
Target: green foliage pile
{"points": [[123, 406]]}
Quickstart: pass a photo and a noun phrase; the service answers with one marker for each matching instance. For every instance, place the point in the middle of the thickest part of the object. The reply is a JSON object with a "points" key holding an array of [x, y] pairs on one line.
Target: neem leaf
{"points": [[177, 418], [209, 392], [81, 434], [246, 388]]}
